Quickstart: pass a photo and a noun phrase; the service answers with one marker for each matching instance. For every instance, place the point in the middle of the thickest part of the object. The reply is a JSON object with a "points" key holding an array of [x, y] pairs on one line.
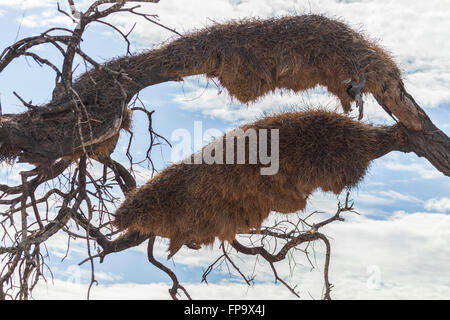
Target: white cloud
{"points": [[438, 204], [27, 4], [84, 275], [375, 198], [61, 290], [417, 168], [9, 174], [397, 196], [199, 95], [407, 252], [423, 170], [44, 20]]}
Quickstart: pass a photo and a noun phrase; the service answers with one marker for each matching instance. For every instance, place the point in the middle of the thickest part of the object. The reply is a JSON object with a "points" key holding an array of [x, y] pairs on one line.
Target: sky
{"points": [[397, 248]]}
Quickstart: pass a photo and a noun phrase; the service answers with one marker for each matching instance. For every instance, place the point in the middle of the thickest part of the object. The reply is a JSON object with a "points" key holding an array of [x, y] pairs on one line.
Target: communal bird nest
{"points": [[254, 57], [195, 203]]}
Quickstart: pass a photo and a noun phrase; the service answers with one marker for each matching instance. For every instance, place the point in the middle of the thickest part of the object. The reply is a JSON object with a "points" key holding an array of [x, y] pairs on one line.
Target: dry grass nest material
{"points": [[195, 203]]}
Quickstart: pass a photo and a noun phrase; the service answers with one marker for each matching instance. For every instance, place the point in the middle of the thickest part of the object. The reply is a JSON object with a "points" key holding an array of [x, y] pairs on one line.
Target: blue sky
{"points": [[404, 202]]}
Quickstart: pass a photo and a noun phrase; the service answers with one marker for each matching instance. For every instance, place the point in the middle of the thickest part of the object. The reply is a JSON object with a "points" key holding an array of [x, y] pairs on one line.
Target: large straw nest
{"points": [[254, 57], [195, 203]]}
